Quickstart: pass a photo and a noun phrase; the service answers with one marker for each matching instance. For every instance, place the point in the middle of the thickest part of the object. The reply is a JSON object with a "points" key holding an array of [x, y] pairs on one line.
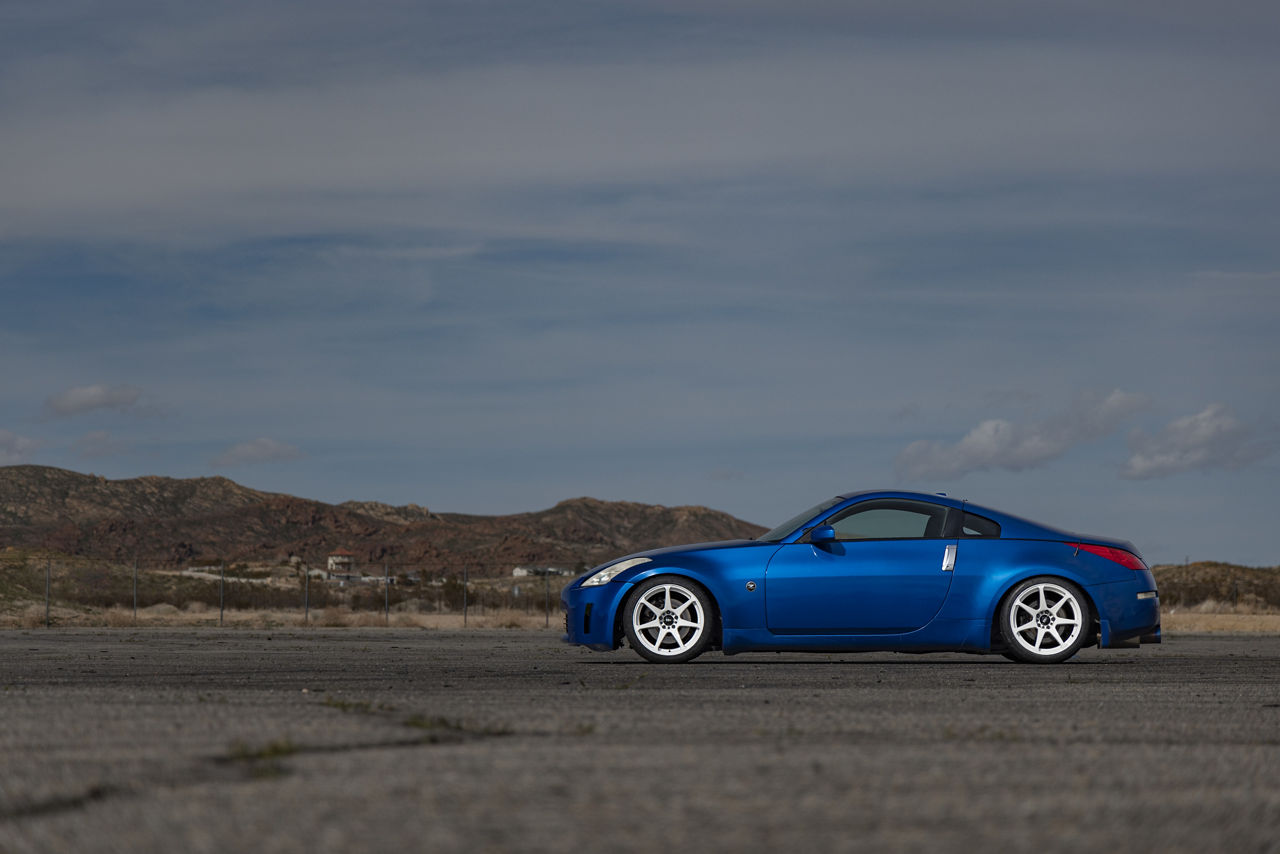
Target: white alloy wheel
{"points": [[667, 620], [1044, 620]]}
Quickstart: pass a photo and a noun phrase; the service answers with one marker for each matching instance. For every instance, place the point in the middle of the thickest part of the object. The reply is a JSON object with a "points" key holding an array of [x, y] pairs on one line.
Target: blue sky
{"points": [[485, 257]]}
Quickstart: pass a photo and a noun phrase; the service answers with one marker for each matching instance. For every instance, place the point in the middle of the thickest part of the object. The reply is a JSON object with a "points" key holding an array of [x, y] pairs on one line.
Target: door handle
{"points": [[949, 558]]}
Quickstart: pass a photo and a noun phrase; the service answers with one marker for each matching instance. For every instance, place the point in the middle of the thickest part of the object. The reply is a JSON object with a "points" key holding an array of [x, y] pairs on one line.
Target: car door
{"points": [[887, 572]]}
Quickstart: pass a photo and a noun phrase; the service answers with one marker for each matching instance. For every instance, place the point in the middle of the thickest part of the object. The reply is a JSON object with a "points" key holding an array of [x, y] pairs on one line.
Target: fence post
{"points": [[306, 595], [546, 595], [135, 590], [464, 597], [48, 586], [222, 581], [386, 593]]}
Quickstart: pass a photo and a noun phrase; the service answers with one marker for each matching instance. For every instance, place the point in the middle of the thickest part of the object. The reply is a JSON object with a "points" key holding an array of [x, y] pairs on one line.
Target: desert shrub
{"points": [[330, 617], [32, 617], [118, 617], [371, 598]]}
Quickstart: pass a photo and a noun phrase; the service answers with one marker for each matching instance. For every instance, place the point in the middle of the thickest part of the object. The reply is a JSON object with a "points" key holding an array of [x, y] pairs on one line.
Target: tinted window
{"points": [[979, 526], [889, 519]]}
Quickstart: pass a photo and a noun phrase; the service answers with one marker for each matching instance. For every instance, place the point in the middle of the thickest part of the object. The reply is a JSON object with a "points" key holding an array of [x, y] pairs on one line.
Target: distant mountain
{"points": [[172, 522]]}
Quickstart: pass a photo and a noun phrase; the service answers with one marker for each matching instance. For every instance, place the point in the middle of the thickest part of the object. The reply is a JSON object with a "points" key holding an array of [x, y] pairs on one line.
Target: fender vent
{"points": [[586, 620]]}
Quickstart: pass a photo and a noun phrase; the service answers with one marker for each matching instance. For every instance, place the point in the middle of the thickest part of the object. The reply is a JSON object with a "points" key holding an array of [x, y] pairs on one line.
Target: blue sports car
{"points": [[879, 570]]}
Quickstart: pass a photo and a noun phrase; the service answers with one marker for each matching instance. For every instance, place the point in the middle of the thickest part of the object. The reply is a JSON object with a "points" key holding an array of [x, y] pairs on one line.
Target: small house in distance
{"points": [[526, 571], [341, 562]]}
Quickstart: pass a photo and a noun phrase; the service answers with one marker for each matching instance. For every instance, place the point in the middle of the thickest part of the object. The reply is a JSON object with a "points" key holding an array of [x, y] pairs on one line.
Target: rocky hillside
{"points": [[1225, 583], [40, 496], [172, 522]]}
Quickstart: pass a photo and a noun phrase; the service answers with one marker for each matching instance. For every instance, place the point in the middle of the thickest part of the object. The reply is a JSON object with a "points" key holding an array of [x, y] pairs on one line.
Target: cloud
{"points": [[1000, 444], [1211, 439], [256, 451], [98, 444], [86, 398], [14, 448]]}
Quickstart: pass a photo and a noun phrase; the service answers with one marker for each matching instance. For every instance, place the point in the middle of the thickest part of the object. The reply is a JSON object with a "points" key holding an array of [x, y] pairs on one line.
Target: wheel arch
{"points": [[620, 612], [993, 623]]}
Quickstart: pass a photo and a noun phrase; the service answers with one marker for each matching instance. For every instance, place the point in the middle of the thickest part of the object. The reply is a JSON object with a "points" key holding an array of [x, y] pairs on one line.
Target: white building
{"points": [[342, 562]]}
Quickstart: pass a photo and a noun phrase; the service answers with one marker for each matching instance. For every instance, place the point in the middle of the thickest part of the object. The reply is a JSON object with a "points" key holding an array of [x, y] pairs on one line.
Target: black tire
{"points": [[1044, 620], [669, 619]]}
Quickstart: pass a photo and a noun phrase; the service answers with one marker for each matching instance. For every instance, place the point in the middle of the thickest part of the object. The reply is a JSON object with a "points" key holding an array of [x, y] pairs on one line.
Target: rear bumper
{"points": [[1128, 612]]}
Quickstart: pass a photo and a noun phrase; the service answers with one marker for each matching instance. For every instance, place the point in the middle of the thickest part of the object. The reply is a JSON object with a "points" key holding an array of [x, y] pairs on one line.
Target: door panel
{"points": [[856, 587]]}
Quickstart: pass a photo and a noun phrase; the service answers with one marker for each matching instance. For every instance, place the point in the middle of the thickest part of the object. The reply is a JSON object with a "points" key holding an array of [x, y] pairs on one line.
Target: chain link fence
{"points": [[48, 590]]}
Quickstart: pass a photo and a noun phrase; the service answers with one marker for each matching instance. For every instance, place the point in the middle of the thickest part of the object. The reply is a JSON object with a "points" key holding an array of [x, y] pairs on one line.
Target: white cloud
{"points": [[14, 448], [256, 451], [86, 398], [99, 443], [1212, 438], [1000, 444]]}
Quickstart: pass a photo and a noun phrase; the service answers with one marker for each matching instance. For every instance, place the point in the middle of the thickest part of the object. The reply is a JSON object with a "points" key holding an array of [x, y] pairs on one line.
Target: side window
{"points": [[979, 526], [889, 519]]}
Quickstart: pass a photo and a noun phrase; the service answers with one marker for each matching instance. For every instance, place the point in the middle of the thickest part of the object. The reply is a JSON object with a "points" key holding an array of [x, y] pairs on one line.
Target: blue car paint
{"points": [[856, 587], [985, 570]]}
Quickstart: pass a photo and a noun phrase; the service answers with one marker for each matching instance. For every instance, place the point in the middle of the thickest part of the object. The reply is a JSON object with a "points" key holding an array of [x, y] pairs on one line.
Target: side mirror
{"points": [[822, 534]]}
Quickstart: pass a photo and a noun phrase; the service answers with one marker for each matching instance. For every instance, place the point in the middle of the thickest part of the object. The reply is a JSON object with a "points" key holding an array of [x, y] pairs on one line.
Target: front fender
{"points": [[725, 577]]}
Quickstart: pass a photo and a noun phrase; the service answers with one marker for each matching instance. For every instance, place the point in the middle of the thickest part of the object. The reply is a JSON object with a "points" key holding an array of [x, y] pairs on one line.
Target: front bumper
{"points": [[589, 614]]}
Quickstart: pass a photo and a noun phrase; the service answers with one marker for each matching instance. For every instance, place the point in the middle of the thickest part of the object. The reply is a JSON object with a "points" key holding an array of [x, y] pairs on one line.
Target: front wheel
{"points": [[668, 619], [1044, 621]]}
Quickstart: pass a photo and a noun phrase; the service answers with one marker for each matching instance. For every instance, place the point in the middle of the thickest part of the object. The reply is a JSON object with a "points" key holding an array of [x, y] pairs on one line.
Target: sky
{"points": [[488, 256]]}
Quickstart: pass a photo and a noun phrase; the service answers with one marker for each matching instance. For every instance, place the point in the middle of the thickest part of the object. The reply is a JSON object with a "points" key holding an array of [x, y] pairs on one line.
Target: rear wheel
{"points": [[1044, 620], [668, 619]]}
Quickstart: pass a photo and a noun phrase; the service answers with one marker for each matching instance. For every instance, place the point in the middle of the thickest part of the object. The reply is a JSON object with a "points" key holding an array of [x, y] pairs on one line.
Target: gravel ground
{"points": [[506, 740]]}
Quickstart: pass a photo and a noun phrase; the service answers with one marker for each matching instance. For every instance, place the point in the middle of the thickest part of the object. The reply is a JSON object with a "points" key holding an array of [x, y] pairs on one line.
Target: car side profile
{"points": [[874, 571]]}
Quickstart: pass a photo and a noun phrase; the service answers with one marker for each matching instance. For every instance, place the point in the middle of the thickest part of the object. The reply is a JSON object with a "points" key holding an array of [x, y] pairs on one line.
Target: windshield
{"points": [[779, 533]]}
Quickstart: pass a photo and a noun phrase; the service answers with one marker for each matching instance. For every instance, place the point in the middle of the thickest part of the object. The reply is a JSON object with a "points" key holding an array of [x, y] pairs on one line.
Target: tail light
{"points": [[1120, 556]]}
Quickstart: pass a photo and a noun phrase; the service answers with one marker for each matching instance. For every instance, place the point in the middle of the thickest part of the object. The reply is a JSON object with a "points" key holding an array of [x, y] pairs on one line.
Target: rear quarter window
{"points": [[979, 526]]}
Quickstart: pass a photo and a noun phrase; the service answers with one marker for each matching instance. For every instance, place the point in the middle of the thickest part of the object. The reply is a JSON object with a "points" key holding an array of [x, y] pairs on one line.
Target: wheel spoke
{"points": [[1053, 630], [1030, 624], [1024, 606], [1040, 633], [671, 624], [1063, 621], [1042, 600]]}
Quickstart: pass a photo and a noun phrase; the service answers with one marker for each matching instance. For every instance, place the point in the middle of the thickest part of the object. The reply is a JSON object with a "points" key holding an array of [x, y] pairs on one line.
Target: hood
{"points": [[695, 547]]}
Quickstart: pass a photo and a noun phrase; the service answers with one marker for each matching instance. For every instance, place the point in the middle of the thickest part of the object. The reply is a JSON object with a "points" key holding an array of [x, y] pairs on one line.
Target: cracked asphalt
{"points": [[506, 740]]}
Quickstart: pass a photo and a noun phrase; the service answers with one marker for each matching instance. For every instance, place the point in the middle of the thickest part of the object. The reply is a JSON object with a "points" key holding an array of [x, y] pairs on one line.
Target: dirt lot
{"points": [[322, 740]]}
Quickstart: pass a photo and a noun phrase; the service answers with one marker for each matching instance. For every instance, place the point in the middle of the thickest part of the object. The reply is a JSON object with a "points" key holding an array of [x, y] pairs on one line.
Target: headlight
{"points": [[607, 574]]}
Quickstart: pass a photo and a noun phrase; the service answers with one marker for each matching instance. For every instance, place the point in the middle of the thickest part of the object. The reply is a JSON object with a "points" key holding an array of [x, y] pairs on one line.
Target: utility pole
{"points": [[222, 583], [386, 593], [135, 590], [464, 597]]}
